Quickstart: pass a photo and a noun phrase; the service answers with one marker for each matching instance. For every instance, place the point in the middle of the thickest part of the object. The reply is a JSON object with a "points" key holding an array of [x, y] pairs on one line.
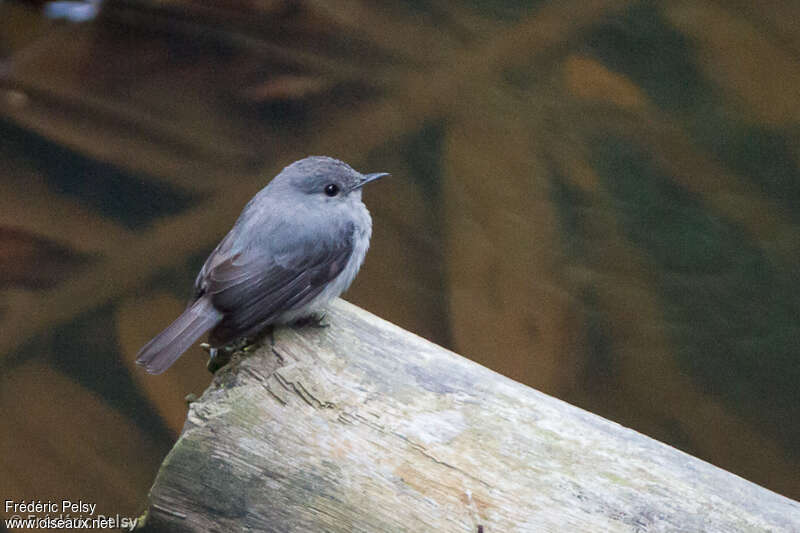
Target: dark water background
{"points": [[601, 200]]}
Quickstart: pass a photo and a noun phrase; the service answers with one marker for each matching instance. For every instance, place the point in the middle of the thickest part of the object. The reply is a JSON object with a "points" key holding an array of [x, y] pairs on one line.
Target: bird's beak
{"points": [[370, 177]]}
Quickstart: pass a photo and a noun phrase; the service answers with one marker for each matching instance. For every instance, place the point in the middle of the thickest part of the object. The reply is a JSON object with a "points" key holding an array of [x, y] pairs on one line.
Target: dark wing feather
{"points": [[254, 287]]}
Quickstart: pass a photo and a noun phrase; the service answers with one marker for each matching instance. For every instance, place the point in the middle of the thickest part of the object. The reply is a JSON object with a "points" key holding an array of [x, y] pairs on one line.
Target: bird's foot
{"points": [[314, 321], [219, 357]]}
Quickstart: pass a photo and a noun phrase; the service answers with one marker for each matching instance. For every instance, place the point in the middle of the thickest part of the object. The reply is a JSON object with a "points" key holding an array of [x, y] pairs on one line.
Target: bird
{"points": [[297, 245]]}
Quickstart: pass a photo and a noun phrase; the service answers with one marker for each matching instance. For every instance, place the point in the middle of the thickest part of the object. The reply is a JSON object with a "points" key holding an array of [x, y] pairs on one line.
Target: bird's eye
{"points": [[331, 189]]}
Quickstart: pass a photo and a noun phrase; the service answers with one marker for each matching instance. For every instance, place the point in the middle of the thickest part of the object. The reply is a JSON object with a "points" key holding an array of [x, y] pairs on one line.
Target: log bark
{"points": [[362, 426]]}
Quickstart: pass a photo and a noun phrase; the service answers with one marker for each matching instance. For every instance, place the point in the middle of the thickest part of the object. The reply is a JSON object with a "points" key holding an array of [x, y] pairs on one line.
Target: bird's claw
{"points": [[314, 321], [219, 357], [319, 321]]}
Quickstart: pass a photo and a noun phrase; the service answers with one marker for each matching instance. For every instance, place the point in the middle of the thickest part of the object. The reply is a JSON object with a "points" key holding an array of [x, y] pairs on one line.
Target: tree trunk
{"points": [[362, 426]]}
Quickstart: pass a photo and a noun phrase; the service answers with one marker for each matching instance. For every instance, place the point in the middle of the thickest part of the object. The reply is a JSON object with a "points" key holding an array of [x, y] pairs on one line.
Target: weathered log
{"points": [[362, 426]]}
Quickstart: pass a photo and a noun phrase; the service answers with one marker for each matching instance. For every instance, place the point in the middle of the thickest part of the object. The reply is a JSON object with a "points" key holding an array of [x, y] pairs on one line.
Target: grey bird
{"points": [[297, 245]]}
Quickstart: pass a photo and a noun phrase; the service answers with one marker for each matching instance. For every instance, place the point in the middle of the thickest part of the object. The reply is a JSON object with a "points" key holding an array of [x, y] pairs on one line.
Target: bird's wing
{"points": [[253, 287]]}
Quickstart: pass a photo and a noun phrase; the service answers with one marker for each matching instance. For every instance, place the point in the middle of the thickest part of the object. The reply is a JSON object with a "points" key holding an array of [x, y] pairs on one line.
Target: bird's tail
{"points": [[158, 354]]}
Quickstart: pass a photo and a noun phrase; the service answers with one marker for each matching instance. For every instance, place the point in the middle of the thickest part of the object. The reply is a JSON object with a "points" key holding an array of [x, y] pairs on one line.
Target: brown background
{"points": [[599, 199]]}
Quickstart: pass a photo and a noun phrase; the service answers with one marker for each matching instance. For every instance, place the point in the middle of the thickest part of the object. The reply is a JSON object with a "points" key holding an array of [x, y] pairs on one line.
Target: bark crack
{"points": [[297, 387], [421, 449]]}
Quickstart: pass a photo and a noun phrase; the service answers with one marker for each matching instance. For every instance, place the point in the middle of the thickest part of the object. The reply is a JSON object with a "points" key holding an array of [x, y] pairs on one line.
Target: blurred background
{"points": [[598, 199]]}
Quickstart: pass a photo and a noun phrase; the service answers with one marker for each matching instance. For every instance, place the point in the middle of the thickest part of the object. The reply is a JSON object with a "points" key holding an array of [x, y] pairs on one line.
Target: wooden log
{"points": [[362, 426]]}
